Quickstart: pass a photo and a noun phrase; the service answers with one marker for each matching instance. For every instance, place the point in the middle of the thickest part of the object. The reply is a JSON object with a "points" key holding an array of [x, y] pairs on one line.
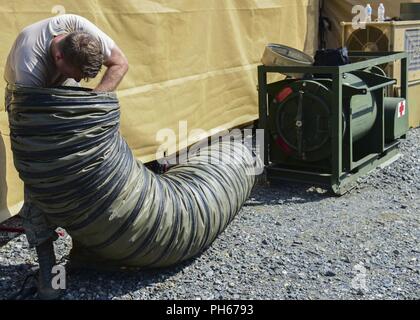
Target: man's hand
{"points": [[117, 65]]}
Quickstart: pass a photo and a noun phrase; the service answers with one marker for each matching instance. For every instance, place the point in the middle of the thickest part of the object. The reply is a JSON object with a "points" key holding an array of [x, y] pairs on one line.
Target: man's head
{"points": [[79, 56]]}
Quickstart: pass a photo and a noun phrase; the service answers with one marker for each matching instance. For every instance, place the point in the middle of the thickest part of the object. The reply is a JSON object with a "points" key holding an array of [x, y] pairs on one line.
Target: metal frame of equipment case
{"points": [[343, 169]]}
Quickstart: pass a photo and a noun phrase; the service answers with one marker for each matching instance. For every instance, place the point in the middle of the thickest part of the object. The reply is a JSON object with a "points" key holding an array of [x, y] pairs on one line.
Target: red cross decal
{"points": [[401, 109]]}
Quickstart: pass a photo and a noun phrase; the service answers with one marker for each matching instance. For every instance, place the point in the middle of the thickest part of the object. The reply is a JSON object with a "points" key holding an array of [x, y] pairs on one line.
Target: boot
{"points": [[46, 260]]}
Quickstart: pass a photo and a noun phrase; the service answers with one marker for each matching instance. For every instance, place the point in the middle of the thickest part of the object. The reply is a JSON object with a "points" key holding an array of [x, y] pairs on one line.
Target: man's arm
{"points": [[117, 65]]}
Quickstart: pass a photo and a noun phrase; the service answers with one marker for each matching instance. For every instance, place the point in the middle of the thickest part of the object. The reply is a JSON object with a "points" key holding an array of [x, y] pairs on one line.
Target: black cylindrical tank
{"points": [[300, 116]]}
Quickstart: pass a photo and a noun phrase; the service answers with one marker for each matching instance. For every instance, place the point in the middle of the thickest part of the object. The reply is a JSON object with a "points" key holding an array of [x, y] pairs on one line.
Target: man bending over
{"points": [[58, 51]]}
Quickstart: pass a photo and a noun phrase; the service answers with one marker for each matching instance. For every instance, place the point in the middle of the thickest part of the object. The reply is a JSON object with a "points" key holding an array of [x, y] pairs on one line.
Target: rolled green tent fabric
{"points": [[79, 170]]}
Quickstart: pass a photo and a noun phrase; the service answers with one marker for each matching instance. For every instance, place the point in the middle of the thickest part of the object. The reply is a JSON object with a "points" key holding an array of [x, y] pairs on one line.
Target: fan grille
{"points": [[370, 39]]}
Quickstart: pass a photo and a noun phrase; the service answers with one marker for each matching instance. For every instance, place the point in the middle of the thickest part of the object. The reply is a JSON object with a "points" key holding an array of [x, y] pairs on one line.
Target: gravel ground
{"points": [[288, 242]]}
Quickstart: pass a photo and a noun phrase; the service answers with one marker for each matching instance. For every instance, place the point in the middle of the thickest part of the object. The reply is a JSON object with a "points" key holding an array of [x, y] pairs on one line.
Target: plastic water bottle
{"points": [[381, 13], [368, 13]]}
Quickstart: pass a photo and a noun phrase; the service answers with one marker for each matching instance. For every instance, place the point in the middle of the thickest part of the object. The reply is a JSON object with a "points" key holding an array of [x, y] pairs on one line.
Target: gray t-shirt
{"points": [[30, 63]]}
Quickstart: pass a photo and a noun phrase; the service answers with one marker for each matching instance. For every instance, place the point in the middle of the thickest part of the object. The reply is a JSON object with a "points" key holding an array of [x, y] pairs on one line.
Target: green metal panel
{"points": [[363, 107]]}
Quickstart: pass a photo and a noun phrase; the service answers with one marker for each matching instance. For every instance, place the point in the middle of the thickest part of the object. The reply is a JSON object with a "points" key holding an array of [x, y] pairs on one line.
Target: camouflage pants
{"points": [[37, 228]]}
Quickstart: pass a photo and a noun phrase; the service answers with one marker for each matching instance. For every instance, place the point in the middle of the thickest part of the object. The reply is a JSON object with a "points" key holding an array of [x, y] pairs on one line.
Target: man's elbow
{"points": [[123, 63], [125, 66]]}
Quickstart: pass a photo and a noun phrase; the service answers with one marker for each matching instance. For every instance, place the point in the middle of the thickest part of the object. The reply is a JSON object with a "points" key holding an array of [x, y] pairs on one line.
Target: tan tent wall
{"points": [[190, 60]]}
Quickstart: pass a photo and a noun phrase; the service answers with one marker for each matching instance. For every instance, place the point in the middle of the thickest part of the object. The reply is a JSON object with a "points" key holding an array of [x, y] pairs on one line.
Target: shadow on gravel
{"points": [[12, 277], [89, 283], [287, 193], [106, 284], [10, 229]]}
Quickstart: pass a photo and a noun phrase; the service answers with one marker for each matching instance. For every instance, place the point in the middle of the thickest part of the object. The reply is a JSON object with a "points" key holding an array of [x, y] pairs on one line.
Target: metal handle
{"points": [[299, 123]]}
